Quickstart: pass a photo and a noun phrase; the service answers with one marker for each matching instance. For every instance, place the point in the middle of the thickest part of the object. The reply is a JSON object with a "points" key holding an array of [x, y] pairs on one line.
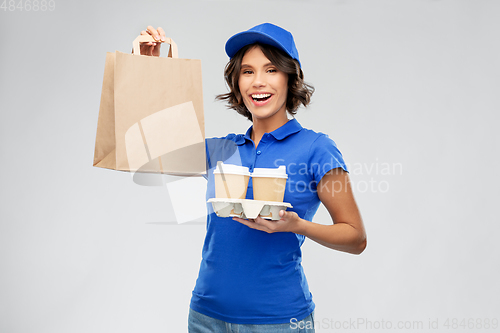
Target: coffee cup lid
{"points": [[231, 169], [270, 172]]}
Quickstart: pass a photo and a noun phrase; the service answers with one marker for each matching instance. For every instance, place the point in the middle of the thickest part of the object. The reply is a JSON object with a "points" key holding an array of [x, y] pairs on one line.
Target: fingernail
{"points": [[163, 38]]}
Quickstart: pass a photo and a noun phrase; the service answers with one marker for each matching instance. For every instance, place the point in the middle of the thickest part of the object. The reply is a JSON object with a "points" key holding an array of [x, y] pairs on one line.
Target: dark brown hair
{"points": [[298, 93]]}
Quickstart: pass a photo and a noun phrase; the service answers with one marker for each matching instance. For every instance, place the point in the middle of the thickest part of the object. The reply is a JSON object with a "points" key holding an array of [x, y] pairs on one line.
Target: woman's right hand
{"points": [[152, 48]]}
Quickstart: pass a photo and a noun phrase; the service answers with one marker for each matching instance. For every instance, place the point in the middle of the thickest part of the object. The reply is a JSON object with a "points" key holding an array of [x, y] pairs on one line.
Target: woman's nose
{"points": [[259, 80]]}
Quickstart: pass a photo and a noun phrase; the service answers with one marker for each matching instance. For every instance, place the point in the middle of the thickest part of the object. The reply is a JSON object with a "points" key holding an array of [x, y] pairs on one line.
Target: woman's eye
{"points": [[272, 70], [247, 72]]}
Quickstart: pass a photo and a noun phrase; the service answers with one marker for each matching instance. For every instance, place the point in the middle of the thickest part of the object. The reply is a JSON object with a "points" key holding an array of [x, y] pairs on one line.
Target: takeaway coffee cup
{"points": [[231, 181], [269, 184]]}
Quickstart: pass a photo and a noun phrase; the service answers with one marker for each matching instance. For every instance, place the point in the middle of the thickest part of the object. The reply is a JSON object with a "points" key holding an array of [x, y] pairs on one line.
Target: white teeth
{"points": [[261, 95]]}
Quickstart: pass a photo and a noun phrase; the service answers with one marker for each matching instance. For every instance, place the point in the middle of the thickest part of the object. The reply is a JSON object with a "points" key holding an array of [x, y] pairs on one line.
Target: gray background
{"points": [[410, 84]]}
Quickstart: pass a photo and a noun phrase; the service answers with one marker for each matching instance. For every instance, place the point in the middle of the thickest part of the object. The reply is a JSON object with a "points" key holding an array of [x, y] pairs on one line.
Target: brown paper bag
{"points": [[151, 114]]}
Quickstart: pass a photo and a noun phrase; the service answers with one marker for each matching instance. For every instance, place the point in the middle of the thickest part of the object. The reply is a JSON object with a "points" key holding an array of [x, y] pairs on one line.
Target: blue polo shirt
{"points": [[248, 276]]}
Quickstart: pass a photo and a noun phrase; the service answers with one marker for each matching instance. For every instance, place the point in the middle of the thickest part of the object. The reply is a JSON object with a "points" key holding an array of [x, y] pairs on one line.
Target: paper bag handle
{"points": [[172, 53]]}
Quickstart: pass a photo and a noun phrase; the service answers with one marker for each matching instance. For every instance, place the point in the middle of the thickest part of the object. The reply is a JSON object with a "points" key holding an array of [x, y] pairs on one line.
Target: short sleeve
{"points": [[324, 156], [222, 149]]}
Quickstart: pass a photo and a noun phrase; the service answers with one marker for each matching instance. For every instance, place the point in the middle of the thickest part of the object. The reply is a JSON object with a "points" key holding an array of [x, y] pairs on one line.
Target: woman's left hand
{"points": [[289, 221]]}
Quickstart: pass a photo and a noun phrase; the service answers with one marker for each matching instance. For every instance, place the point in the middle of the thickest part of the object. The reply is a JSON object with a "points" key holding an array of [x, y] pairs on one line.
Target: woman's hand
{"points": [[152, 48], [347, 233], [289, 221]]}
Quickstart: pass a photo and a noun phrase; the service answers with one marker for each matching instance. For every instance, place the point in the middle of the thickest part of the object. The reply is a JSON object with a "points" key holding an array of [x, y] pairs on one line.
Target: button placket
{"points": [[259, 150]]}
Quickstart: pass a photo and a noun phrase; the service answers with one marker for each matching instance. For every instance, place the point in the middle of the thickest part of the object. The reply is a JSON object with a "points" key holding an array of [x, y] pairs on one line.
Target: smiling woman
{"points": [[251, 278], [263, 89], [298, 92]]}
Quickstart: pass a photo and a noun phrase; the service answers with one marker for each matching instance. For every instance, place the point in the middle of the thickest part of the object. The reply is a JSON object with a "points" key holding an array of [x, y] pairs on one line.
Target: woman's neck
{"points": [[261, 126]]}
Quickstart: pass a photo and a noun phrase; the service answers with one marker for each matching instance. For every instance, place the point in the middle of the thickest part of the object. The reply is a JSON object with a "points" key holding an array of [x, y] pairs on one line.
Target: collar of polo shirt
{"points": [[291, 127]]}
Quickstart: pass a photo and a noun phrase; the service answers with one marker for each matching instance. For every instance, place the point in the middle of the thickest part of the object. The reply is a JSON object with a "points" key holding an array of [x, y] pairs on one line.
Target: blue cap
{"points": [[265, 33]]}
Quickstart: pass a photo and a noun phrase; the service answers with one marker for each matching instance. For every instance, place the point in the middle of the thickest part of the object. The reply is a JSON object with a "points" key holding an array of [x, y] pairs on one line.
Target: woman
{"points": [[251, 278]]}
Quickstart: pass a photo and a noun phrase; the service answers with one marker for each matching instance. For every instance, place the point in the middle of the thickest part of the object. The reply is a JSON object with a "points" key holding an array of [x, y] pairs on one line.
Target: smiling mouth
{"points": [[260, 97]]}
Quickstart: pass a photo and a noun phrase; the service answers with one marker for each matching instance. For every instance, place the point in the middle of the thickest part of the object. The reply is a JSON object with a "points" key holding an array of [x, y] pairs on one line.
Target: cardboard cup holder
{"points": [[231, 183], [248, 209]]}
